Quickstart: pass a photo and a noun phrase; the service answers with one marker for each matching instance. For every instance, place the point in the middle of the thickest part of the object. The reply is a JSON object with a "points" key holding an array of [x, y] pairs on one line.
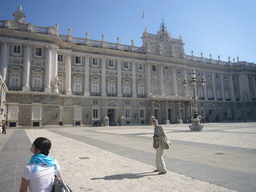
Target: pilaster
{"points": [[174, 81], [205, 87], [214, 87], [47, 80], [5, 55], [119, 79], [222, 86], [86, 78], [103, 78], [68, 74], [55, 70], [148, 79], [231, 88], [134, 92], [26, 69], [161, 76]]}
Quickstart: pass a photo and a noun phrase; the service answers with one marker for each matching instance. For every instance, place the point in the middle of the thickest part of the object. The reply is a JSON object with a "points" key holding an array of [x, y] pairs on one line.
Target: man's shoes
{"points": [[157, 170], [161, 173]]}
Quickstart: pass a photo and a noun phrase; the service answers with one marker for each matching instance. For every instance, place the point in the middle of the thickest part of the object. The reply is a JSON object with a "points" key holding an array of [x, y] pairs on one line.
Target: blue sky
{"points": [[217, 27]]}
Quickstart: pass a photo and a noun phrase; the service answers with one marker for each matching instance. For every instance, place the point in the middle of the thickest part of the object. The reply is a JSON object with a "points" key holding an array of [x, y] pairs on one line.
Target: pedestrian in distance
{"points": [[159, 135], [4, 129], [40, 172]]}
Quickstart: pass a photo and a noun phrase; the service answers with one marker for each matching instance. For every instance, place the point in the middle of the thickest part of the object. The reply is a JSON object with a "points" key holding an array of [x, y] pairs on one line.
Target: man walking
{"points": [[159, 134]]}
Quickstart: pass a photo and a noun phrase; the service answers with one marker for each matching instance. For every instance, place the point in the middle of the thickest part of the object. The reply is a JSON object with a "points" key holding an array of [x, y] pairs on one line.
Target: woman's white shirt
{"points": [[42, 180]]}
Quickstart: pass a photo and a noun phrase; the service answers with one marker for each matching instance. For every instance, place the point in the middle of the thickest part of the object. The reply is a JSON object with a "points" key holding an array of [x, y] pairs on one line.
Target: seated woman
{"points": [[40, 172]]}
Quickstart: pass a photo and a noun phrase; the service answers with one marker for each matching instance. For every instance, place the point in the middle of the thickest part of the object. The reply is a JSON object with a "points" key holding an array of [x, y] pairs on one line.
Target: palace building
{"points": [[61, 80]]}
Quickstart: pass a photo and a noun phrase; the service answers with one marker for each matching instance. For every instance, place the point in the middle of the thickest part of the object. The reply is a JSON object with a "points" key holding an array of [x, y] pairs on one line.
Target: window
{"points": [[111, 88], [127, 103], [142, 114], [126, 65], [226, 94], [78, 60], [16, 49], [60, 58], [15, 80], [95, 102], [141, 89], [167, 90], [218, 93], [127, 113], [189, 72], [111, 63], [200, 93], [61, 85], [37, 81], [178, 71], [126, 88], [95, 87], [153, 68], [154, 89], [198, 73], [217, 75], [208, 74], [77, 86], [140, 67], [95, 113], [38, 52], [210, 93], [95, 62]]}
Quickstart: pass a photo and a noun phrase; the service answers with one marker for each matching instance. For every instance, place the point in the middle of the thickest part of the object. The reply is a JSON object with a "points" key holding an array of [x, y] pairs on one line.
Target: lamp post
{"points": [[193, 82]]}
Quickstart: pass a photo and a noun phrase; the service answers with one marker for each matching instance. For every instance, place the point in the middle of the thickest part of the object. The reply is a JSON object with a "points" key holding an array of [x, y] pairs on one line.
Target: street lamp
{"points": [[193, 82]]}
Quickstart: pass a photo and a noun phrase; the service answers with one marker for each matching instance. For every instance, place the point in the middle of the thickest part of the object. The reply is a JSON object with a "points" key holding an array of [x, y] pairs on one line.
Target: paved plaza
{"points": [[109, 159]]}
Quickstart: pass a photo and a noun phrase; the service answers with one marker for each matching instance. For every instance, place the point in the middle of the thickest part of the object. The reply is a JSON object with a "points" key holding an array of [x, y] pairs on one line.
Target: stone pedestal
{"points": [[151, 120], [106, 121], [167, 121], [196, 125], [122, 120], [180, 121]]}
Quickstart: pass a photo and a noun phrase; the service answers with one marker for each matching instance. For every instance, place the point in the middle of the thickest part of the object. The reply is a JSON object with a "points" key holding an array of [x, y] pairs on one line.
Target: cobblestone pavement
{"points": [[111, 159]]}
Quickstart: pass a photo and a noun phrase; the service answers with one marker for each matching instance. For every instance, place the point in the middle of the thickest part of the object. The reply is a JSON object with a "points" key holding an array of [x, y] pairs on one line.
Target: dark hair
{"points": [[43, 144]]}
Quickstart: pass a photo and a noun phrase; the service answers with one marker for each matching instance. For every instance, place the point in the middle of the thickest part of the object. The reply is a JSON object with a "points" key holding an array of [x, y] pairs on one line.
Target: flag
{"points": [[143, 14]]}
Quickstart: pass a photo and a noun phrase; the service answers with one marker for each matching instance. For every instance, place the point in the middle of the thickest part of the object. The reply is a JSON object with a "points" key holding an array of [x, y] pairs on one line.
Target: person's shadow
{"points": [[126, 176]]}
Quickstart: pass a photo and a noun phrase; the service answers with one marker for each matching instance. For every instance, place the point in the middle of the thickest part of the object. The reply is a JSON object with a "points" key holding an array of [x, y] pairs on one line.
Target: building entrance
{"points": [[111, 116]]}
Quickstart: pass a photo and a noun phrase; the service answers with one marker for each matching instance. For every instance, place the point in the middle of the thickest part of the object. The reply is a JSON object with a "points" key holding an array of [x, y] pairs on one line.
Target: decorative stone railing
{"points": [[219, 62], [29, 27]]}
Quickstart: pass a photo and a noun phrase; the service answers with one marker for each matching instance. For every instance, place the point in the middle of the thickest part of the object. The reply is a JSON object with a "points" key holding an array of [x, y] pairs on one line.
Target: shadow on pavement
{"points": [[126, 176]]}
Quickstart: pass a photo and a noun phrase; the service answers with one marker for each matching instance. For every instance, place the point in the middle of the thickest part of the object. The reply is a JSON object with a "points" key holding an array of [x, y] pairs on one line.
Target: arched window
{"points": [[209, 92], [218, 94], [37, 81], [127, 89], [15, 81], [201, 93], [111, 88], [227, 94], [77, 89], [95, 87], [141, 90], [61, 84], [154, 89]]}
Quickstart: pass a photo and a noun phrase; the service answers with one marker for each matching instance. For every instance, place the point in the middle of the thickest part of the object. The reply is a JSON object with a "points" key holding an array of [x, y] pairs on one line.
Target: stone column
{"points": [[205, 87], [244, 87], [103, 78], [185, 76], [47, 77], [26, 69], [86, 78], [222, 87], [161, 77], [148, 78], [5, 55], [119, 79], [174, 81], [254, 86], [214, 91], [55, 70], [167, 121], [68, 74], [134, 84], [231, 88]]}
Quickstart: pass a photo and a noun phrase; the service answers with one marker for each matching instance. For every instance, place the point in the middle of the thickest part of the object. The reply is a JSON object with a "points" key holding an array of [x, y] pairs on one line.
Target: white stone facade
{"points": [[58, 79]]}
